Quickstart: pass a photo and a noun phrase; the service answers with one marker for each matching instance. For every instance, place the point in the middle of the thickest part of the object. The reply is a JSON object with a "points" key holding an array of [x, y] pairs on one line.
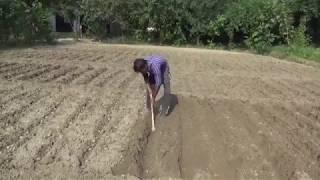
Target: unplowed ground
{"points": [[78, 111]]}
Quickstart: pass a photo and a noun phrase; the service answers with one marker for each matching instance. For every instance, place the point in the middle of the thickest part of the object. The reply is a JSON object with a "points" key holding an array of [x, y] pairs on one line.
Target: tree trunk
{"points": [[53, 23], [198, 40], [76, 27], [161, 34]]}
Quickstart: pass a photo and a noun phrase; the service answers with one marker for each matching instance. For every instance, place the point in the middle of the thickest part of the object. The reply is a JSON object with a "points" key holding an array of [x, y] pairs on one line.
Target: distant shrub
{"points": [[299, 37], [263, 23], [22, 22]]}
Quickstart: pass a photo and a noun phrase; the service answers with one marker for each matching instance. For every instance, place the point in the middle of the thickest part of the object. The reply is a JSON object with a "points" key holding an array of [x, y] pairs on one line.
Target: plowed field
{"points": [[78, 110]]}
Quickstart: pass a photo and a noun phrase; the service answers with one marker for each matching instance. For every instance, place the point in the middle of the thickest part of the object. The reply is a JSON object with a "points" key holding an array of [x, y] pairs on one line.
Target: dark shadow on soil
{"points": [[174, 101]]}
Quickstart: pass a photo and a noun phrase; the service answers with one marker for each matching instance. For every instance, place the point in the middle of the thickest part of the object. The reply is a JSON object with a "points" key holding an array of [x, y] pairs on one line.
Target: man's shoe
{"points": [[167, 111]]}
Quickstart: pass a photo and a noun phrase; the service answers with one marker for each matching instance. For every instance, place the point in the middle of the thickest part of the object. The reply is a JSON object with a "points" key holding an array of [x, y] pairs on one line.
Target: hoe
{"points": [[158, 97]]}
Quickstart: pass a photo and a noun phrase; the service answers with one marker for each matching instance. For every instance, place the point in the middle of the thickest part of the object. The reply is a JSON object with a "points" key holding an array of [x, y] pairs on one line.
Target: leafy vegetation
{"points": [[25, 21], [255, 24], [260, 24], [296, 53]]}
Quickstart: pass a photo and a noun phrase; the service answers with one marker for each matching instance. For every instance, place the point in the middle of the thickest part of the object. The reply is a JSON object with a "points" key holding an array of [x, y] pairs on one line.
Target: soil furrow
{"points": [[11, 68], [26, 69], [47, 69], [48, 136], [11, 97], [120, 98], [91, 76], [5, 65], [15, 136], [281, 143], [52, 139], [22, 134], [288, 89], [97, 58], [109, 78], [10, 119], [271, 87], [311, 111], [57, 74], [99, 129], [114, 58], [10, 90], [310, 88], [21, 68], [22, 99], [27, 133], [82, 106], [73, 75], [301, 127], [84, 57], [38, 69]]}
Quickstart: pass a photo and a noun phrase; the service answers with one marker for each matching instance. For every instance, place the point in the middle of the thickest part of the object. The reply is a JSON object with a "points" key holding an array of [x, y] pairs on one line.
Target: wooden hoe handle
{"points": [[152, 106]]}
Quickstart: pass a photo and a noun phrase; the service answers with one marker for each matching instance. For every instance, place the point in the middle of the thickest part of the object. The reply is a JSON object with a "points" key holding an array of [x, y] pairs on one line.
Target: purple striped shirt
{"points": [[156, 66]]}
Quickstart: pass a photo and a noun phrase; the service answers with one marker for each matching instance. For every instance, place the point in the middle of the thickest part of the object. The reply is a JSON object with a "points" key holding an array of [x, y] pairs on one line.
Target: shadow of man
{"points": [[174, 101]]}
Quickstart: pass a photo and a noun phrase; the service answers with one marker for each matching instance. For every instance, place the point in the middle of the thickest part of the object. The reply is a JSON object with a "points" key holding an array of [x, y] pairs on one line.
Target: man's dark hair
{"points": [[139, 64]]}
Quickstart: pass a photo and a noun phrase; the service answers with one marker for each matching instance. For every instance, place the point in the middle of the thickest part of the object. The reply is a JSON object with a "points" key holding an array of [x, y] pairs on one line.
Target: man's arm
{"points": [[154, 90], [157, 77], [151, 87]]}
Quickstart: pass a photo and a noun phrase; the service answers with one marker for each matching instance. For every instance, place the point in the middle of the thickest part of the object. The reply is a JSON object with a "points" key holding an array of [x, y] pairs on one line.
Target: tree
{"points": [[70, 10], [177, 21], [24, 21], [98, 13], [263, 23]]}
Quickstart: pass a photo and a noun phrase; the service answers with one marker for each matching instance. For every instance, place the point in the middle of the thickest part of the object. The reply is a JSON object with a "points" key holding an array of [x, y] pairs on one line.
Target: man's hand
{"points": [[154, 91]]}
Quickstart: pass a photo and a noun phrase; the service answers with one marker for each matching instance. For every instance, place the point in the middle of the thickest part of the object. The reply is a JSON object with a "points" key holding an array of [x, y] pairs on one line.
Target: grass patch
{"points": [[57, 35], [297, 53]]}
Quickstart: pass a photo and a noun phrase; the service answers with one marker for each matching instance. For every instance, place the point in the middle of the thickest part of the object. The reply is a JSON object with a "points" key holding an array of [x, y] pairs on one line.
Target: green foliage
{"points": [[176, 21], [299, 37], [263, 23], [257, 24], [164, 16], [216, 27], [23, 21], [297, 53], [308, 8], [98, 13], [69, 9]]}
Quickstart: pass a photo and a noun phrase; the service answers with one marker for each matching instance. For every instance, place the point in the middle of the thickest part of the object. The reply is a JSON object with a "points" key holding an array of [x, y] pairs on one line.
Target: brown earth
{"points": [[77, 110]]}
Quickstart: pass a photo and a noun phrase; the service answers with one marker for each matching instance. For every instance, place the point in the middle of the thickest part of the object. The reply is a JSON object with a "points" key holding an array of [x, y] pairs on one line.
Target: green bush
{"points": [[97, 27], [299, 38], [23, 22], [263, 23], [297, 53], [258, 24]]}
